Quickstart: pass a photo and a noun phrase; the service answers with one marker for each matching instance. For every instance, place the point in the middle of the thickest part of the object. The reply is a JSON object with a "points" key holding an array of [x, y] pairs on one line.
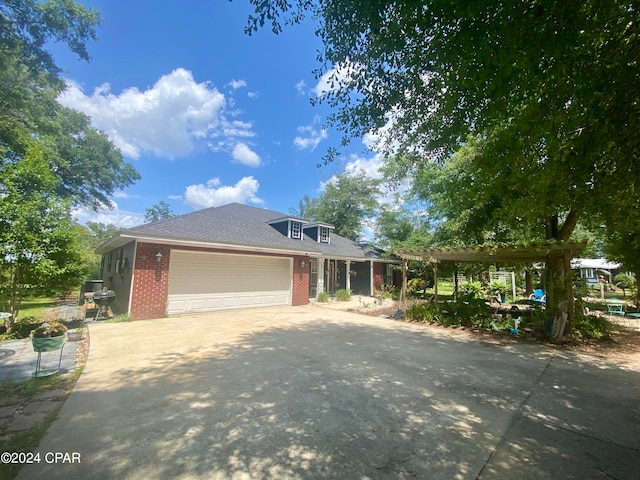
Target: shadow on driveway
{"points": [[309, 393]]}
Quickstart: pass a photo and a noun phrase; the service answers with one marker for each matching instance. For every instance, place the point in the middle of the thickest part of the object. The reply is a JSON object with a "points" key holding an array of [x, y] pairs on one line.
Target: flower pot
{"points": [[75, 336], [47, 344]]}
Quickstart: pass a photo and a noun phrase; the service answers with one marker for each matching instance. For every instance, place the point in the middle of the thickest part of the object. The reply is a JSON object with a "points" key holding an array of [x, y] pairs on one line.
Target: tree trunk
{"points": [[558, 278]]}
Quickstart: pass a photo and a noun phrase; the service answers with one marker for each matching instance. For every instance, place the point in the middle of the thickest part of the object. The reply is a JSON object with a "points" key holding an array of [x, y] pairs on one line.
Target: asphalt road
{"points": [[313, 393]]}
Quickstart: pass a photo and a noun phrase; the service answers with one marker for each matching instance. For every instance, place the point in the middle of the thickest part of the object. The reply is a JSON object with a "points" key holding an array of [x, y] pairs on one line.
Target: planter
{"points": [[47, 344], [75, 336]]}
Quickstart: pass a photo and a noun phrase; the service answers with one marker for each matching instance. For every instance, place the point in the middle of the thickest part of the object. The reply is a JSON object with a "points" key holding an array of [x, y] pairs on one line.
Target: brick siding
{"points": [[300, 294]]}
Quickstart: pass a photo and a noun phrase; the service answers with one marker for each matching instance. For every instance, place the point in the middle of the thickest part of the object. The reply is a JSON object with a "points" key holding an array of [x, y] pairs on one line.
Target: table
{"points": [[615, 307]]}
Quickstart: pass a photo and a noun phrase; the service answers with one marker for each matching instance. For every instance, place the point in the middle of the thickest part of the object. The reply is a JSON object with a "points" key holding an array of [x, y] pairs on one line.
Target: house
{"points": [[591, 268], [234, 256]]}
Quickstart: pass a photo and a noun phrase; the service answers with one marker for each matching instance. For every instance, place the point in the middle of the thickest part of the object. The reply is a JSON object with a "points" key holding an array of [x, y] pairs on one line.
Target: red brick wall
{"points": [[150, 282], [378, 275], [300, 294]]}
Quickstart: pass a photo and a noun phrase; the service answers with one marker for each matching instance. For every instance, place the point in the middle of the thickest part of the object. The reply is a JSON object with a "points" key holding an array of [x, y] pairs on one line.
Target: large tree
{"points": [[548, 90], [51, 158], [347, 202]]}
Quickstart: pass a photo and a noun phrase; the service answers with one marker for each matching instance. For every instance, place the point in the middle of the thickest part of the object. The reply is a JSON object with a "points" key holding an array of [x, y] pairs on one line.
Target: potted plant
{"points": [[48, 336], [499, 289]]}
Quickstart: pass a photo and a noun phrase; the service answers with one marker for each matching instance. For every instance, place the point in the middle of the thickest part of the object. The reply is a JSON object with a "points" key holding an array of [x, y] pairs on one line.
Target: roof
{"points": [[241, 227], [596, 263], [529, 253]]}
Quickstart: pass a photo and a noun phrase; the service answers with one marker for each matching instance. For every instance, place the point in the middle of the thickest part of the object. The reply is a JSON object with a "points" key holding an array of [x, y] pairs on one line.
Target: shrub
{"points": [[343, 295], [586, 327], [23, 327], [416, 286], [423, 312], [322, 297], [624, 282], [496, 287], [471, 289]]}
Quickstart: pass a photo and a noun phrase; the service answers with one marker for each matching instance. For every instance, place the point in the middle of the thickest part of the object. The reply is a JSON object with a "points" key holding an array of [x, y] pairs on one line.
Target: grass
{"points": [[35, 306], [28, 441]]}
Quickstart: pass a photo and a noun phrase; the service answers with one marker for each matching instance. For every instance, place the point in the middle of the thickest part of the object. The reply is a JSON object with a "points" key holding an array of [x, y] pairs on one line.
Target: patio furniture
{"points": [[538, 295], [615, 306]]}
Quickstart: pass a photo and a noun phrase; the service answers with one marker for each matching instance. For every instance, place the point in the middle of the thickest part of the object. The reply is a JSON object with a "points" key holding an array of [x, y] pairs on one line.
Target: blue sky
{"points": [[206, 114]]}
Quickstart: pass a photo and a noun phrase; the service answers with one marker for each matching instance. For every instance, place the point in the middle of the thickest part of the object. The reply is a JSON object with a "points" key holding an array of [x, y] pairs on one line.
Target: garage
{"points": [[204, 282]]}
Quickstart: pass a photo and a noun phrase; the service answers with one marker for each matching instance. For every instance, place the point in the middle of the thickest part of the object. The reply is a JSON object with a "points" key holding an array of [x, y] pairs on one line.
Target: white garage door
{"points": [[203, 282]]}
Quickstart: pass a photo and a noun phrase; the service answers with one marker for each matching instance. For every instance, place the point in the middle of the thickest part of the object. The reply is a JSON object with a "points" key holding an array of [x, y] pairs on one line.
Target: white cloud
{"points": [[236, 84], [334, 78], [213, 194], [300, 87], [115, 216], [243, 154], [165, 120], [312, 136]]}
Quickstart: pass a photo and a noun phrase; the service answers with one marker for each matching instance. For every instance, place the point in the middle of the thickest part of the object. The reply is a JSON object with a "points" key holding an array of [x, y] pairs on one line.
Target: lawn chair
{"points": [[538, 295]]}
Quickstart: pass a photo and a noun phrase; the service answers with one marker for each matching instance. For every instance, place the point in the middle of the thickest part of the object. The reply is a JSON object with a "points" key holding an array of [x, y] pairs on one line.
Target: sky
{"points": [[207, 114]]}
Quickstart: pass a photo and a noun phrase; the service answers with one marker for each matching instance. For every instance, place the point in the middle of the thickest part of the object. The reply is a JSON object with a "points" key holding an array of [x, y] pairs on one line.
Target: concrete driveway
{"points": [[313, 393]]}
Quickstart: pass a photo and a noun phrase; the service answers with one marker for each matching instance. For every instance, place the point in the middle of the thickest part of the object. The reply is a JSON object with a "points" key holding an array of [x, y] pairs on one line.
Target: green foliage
{"points": [[347, 201], [23, 327], [343, 295], [471, 289], [49, 329], [391, 292], [323, 297], [496, 287], [624, 281], [467, 309], [159, 211], [586, 327], [424, 312], [416, 287]]}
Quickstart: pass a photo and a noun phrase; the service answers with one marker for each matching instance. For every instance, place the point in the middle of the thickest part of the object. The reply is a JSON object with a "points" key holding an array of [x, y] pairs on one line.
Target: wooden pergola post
{"points": [[435, 282], [403, 291]]}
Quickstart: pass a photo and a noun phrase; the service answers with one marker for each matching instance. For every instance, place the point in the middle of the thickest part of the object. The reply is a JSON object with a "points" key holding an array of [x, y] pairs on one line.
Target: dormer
{"points": [[319, 231], [292, 227]]}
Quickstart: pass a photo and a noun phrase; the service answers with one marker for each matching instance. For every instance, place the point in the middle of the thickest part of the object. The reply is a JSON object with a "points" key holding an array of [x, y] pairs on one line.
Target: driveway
{"points": [[313, 393]]}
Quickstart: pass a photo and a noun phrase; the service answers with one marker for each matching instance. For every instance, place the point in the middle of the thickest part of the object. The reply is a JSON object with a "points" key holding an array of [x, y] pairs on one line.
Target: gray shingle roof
{"points": [[245, 226]]}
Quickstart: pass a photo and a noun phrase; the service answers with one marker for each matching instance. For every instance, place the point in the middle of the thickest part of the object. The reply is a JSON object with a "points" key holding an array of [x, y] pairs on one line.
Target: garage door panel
{"points": [[200, 282]]}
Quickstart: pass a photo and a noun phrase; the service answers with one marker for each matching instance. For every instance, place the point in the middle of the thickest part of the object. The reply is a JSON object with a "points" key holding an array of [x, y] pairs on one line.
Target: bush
{"points": [[586, 327], [624, 282], [343, 295], [22, 328], [416, 286], [471, 289], [388, 292], [498, 288], [423, 312], [322, 297]]}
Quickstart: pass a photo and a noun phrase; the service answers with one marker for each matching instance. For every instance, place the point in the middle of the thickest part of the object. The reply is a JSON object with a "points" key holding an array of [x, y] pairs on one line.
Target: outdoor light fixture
{"points": [[158, 256], [302, 264]]}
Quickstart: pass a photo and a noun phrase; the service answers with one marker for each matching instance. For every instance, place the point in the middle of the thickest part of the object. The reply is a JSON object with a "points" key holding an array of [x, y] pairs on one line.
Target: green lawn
{"points": [[35, 306]]}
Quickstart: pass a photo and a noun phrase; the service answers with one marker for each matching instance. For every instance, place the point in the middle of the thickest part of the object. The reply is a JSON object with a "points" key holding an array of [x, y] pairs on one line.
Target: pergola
{"points": [[528, 253]]}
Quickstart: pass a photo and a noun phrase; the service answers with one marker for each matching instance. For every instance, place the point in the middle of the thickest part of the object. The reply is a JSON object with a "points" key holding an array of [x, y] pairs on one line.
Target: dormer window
{"points": [[296, 230], [324, 234]]}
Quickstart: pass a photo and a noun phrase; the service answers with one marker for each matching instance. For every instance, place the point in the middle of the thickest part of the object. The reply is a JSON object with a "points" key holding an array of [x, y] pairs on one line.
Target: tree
{"points": [[547, 93], [40, 245], [50, 156], [346, 203], [159, 211], [94, 235], [89, 167]]}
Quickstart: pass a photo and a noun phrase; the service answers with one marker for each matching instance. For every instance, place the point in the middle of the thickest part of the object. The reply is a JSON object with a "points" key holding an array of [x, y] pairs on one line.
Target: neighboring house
{"points": [[591, 268], [234, 256]]}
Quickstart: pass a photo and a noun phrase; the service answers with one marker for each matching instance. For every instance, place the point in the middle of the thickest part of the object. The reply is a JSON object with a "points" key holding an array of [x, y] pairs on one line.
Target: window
{"points": [[388, 278], [324, 234], [119, 261], [296, 230]]}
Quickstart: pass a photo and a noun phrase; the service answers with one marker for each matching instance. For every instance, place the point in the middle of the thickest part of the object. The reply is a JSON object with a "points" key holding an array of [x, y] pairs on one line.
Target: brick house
{"points": [[234, 256]]}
